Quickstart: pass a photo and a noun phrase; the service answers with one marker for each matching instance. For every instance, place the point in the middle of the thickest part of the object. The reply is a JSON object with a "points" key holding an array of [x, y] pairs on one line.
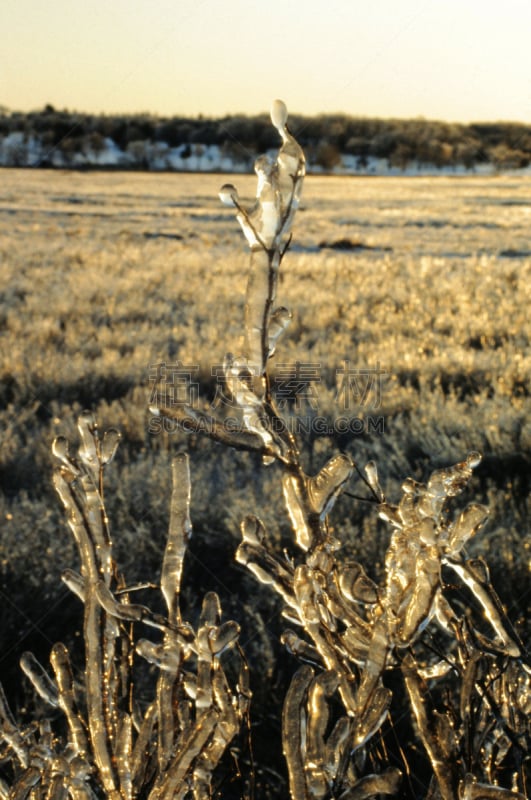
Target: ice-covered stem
{"points": [[318, 759], [180, 531], [112, 749], [267, 227], [443, 762], [79, 487]]}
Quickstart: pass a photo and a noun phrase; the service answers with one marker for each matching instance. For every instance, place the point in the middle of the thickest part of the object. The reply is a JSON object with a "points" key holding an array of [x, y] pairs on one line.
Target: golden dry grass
{"points": [[105, 274]]}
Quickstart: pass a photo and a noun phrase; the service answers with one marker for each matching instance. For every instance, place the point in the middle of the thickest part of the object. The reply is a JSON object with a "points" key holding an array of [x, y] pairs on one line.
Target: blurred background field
{"points": [[105, 275]]}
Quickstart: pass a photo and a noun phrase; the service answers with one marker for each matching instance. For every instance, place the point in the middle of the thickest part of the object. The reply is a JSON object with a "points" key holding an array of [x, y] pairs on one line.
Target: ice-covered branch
{"points": [[113, 748]]}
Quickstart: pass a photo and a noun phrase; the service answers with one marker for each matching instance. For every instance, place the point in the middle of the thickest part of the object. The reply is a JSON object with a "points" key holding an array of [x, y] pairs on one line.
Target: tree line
{"points": [[326, 138]]}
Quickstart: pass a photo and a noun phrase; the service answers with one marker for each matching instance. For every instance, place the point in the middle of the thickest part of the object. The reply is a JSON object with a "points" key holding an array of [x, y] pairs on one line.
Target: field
{"points": [[420, 287]]}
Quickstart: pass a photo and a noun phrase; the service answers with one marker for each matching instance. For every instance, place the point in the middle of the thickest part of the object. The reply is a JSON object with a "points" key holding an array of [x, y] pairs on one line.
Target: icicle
{"points": [[293, 735], [488, 604], [75, 582], [266, 226], [123, 756], [371, 472], [408, 507], [321, 688], [60, 662], [336, 744], [371, 786], [368, 723], [139, 757], [298, 514], [128, 612], [291, 165], [40, 679], [25, 783], [265, 218], [179, 534], [479, 569], [239, 379], [472, 789], [279, 114], [253, 530], [209, 619], [442, 769], [88, 451], [226, 728], [391, 514]]}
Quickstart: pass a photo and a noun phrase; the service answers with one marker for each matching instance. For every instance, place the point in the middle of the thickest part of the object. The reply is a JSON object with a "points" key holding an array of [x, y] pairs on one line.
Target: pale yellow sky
{"points": [[459, 60]]}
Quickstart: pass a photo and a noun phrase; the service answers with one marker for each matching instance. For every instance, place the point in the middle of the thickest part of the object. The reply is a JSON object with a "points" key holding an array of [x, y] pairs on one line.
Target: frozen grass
{"points": [[106, 275]]}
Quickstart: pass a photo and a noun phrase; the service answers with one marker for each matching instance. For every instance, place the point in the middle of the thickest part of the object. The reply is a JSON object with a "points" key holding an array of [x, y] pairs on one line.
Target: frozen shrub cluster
{"points": [[116, 742], [405, 653]]}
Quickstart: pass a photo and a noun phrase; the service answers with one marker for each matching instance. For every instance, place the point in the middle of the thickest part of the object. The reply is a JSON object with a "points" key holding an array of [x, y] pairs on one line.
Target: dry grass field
{"points": [[105, 275]]}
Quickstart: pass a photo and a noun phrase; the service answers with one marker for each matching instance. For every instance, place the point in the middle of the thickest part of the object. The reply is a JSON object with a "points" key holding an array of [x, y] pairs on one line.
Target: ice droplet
{"points": [[88, 431], [111, 440], [279, 114], [280, 319], [473, 459], [60, 449], [228, 195], [479, 569]]}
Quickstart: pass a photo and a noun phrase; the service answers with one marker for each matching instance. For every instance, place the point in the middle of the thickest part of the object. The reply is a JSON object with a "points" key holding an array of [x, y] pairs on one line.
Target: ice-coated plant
{"points": [[424, 657], [114, 742], [352, 632]]}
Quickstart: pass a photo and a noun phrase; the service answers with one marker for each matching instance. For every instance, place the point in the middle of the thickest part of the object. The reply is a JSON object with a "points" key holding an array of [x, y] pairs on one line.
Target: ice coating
{"points": [[352, 629], [180, 532], [324, 488], [371, 471], [279, 114], [111, 748], [316, 759]]}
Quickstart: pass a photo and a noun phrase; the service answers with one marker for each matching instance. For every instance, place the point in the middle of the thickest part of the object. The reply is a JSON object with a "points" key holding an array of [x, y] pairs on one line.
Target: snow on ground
{"points": [[19, 150]]}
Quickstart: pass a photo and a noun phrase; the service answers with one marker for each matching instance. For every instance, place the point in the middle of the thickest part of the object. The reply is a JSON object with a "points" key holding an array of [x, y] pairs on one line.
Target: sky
{"points": [[457, 60]]}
